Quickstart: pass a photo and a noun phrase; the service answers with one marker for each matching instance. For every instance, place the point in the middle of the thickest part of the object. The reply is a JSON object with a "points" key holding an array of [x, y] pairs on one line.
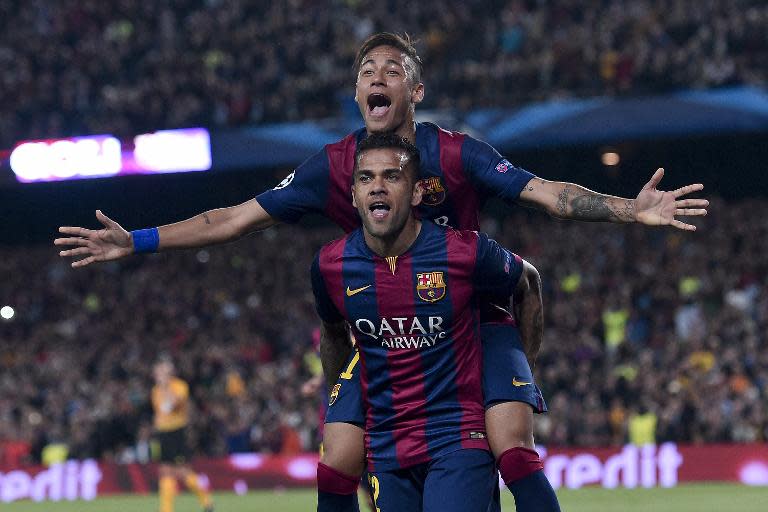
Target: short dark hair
{"points": [[404, 43], [390, 140]]}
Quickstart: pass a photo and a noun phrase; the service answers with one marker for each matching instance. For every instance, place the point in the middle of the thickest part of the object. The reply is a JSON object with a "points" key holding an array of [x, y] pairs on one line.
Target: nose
{"points": [[378, 78], [378, 186]]}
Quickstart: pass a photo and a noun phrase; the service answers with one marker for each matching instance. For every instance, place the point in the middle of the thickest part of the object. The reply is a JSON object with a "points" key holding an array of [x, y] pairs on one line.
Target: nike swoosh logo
{"points": [[356, 290], [518, 383]]}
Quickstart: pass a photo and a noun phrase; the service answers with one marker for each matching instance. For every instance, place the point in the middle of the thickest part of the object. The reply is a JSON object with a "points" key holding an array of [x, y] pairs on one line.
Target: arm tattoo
{"points": [[578, 203], [591, 207], [562, 201], [207, 219], [335, 347]]}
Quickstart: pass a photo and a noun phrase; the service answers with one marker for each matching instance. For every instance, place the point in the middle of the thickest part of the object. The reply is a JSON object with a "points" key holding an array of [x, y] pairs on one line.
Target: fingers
{"points": [[72, 230], [688, 203], [75, 252], [690, 211], [682, 225], [655, 179], [71, 241], [688, 189], [83, 262], [106, 221]]}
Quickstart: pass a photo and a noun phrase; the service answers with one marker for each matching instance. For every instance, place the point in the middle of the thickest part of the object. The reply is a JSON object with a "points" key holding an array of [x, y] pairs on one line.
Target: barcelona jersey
{"points": [[458, 174], [416, 318]]}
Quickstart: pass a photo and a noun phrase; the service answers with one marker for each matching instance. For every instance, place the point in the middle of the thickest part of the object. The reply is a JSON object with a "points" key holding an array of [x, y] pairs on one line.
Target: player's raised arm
{"points": [[529, 311], [112, 242], [652, 207]]}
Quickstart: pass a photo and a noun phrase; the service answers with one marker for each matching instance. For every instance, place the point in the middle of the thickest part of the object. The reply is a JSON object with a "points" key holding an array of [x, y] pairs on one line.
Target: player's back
{"points": [[416, 321]]}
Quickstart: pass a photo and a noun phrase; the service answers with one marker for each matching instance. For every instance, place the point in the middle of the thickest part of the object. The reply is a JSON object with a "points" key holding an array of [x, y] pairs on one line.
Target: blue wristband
{"points": [[145, 240]]}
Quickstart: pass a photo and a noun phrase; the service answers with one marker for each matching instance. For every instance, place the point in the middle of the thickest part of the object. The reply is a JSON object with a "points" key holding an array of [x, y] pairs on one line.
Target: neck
{"points": [[396, 244], [407, 129]]}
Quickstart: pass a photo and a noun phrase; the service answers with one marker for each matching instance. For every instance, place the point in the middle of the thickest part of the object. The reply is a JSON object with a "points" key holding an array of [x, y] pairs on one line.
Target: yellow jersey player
{"points": [[170, 402]]}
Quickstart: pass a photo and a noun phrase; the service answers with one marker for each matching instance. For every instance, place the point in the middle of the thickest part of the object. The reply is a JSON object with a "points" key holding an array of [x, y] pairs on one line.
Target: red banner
{"points": [[665, 465]]}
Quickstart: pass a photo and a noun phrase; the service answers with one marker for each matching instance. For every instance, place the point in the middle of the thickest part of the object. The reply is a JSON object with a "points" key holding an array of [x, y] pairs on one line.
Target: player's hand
{"points": [[110, 243], [312, 386], [655, 207]]}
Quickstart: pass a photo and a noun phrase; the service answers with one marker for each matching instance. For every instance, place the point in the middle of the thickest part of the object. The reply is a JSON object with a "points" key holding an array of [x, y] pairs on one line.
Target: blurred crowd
{"points": [[651, 335], [130, 66]]}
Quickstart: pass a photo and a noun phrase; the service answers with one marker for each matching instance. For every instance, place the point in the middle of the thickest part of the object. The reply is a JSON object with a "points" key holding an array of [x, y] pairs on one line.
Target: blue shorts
{"points": [[462, 481], [506, 377]]}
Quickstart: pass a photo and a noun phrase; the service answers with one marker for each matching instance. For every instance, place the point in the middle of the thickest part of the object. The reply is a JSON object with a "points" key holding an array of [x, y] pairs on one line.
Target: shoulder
{"points": [[460, 245], [333, 252], [344, 146], [462, 238], [444, 138]]}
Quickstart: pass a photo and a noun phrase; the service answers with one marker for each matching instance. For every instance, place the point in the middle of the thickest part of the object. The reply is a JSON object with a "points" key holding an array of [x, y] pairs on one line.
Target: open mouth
{"points": [[378, 104], [379, 209]]}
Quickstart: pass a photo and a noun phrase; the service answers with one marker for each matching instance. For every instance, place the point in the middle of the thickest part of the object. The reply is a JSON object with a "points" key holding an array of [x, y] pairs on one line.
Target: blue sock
{"points": [[330, 502], [534, 493]]}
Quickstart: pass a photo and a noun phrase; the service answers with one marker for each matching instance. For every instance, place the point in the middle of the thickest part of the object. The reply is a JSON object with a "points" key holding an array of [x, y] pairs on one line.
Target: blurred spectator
{"points": [[239, 321], [84, 66]]}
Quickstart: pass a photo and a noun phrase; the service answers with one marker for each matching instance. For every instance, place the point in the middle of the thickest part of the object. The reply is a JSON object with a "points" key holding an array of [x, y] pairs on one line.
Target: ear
{"points": [[417, 93], [354, 203], [417, 193]]}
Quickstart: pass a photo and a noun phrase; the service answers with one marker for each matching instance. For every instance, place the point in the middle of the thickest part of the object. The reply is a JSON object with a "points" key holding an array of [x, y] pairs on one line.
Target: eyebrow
{"points": [[389, 61], [369, 171]]}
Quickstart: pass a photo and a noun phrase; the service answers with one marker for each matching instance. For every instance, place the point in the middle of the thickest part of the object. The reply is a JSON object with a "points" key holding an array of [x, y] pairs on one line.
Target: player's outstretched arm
{"points": [[529, 311], [112, 242], [335, 348], [652, 207]]}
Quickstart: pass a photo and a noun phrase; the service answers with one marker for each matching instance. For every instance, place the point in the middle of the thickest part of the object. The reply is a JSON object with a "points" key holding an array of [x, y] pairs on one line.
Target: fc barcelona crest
{"points": [[432, 190], [430, 286]]}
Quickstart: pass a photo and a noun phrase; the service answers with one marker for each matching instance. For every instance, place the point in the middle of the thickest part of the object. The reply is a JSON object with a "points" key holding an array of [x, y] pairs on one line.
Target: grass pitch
{"points": [[688, 498]]}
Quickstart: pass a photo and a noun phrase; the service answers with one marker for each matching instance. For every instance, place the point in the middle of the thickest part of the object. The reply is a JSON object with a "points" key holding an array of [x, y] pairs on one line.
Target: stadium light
{"points": [[611, 158], [7, 312]]}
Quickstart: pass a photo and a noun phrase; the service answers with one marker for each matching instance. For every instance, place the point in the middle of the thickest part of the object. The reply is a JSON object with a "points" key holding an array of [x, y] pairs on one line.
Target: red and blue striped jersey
{"points": [[416, 319], [458, 174]]}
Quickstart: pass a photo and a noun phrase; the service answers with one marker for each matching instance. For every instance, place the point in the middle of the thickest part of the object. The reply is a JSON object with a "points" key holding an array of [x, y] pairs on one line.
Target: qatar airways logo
{"points": [[403, 332]]}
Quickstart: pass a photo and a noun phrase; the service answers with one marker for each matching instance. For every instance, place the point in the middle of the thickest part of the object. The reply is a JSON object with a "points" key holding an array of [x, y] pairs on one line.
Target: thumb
{"points": [[655, 179], [106, 221]]}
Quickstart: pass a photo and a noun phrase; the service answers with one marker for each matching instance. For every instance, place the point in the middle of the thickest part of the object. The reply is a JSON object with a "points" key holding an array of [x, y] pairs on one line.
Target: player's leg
{"points": [[399, 490], [343, 458], [511, 398], [462, 481], [340, 467], [178, 452], [192, 482], [166, 487]]}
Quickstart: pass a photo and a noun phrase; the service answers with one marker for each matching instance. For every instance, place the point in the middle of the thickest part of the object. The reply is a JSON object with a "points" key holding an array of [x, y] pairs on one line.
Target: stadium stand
{"points": [[649, 333], [75, 67]]}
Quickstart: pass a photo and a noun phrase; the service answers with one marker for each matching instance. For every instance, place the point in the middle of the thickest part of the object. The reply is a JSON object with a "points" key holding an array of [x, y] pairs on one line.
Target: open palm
{"points": [[655, 207], [111, 243]]}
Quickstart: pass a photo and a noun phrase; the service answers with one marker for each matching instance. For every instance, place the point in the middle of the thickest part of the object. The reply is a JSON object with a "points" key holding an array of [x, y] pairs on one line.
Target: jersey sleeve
{"points": [[301, 192], [497, 270], [326, 309], [492, 173]]}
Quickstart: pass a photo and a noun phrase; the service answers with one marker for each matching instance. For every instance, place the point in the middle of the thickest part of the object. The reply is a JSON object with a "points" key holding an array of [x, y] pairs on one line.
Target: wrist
{"points": [[145, 240], [633, 209]]}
